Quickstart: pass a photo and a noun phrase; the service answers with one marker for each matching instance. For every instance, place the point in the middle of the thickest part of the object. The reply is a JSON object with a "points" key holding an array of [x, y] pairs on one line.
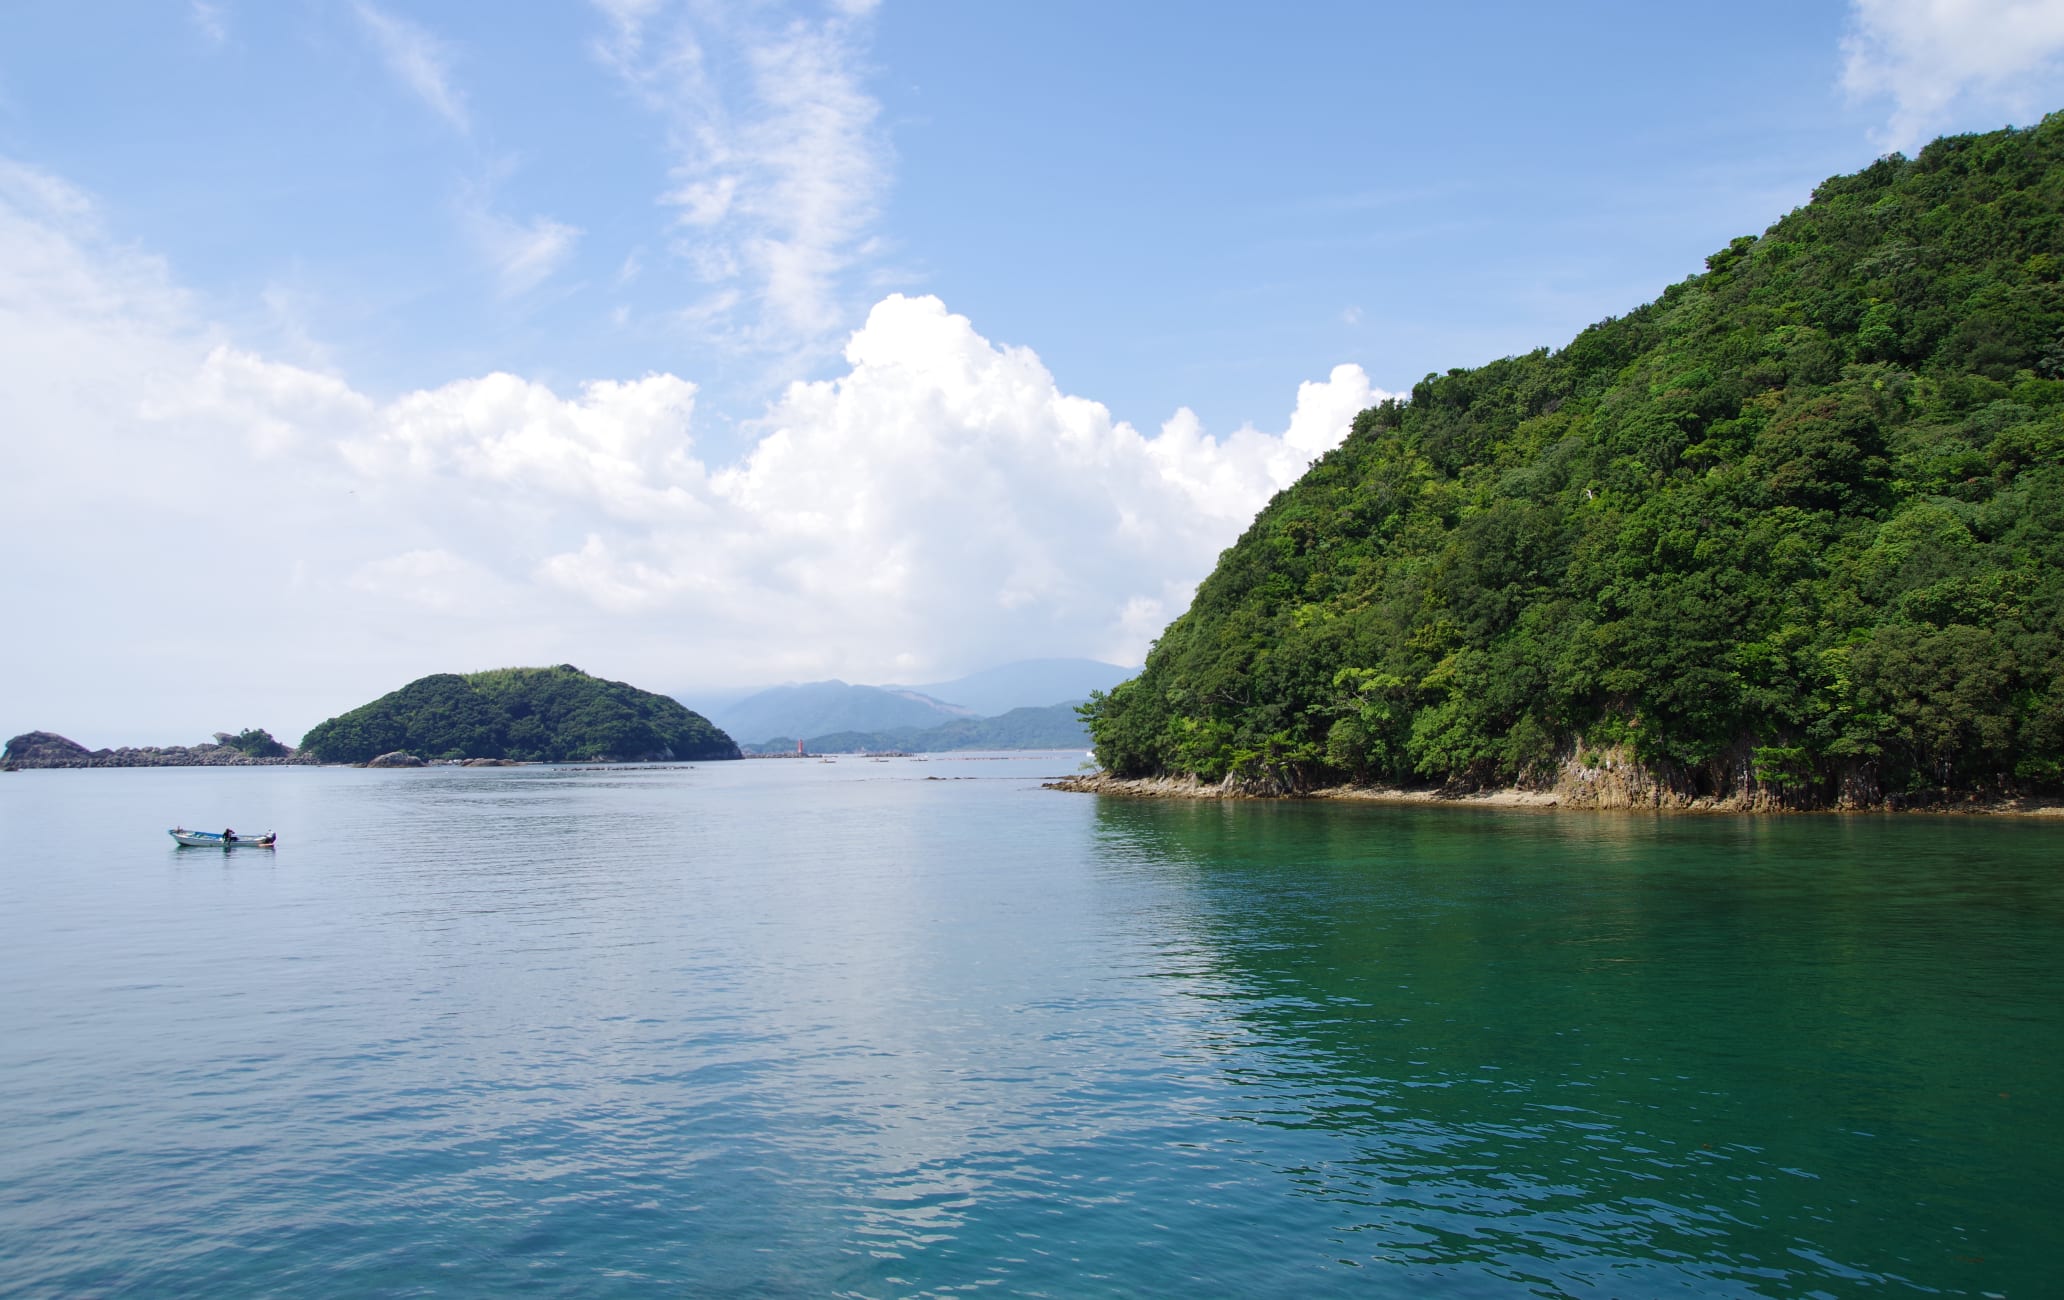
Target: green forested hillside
{"points": [[1794, 528], [541, 714]]}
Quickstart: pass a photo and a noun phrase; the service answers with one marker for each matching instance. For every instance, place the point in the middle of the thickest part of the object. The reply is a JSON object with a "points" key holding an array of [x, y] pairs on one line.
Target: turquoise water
{"points": [[779, 1028]]}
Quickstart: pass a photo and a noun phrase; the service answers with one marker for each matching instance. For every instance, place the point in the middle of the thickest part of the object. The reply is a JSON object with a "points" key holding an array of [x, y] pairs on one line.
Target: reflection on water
{"points": [[776, 1027], [1789, 1052]]}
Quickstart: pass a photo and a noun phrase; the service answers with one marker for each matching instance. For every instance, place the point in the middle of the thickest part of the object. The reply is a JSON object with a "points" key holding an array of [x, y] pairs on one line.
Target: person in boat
{"points": [[228, 835]]}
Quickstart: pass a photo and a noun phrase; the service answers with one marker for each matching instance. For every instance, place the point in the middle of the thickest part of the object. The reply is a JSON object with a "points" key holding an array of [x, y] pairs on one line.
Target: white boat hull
{"points": [[213, 840]]}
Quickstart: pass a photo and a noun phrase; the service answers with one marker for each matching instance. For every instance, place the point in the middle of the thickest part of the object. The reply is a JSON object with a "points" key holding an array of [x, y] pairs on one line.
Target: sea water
{"points": [[911, 1027]]}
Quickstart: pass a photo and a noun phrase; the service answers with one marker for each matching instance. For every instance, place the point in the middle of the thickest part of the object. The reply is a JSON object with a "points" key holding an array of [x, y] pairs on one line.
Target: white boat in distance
{"points": [[214, 840]]}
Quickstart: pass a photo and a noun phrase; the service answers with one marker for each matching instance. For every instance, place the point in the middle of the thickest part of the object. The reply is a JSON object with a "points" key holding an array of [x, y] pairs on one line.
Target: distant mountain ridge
{"points": [[818, 709], [1027, 684], [812, 708], [1056, 726]]}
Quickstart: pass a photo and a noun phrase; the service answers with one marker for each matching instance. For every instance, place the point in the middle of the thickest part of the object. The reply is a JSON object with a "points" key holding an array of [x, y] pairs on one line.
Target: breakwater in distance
{"points": [[45, 749]]}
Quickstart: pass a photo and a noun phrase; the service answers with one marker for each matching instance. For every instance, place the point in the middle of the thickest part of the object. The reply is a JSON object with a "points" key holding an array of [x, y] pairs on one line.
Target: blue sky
{"points": [[709, 345]]}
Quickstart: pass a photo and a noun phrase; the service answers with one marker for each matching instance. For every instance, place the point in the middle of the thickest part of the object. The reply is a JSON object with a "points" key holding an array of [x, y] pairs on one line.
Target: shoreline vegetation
{"points": [[1789, 536], [1556, 798]]}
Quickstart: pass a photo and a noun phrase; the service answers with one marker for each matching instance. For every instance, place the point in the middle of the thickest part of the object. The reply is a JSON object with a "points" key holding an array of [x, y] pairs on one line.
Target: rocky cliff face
{"points": [[1734, 781], [1605, 777], [37, 749]]}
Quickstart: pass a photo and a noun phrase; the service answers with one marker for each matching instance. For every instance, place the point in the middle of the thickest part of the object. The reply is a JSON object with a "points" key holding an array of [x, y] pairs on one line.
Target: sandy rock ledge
{"points": [[1579, 794]]}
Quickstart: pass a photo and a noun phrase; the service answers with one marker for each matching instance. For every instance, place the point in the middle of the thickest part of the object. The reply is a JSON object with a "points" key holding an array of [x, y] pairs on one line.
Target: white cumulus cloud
{"points": [[433, 580], [937, 506], [941, 502], [1947, 64]]}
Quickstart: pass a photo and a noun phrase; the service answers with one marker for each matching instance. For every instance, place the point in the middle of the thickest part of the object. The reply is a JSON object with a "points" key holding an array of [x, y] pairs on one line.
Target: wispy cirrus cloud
{"points": [[209, 20], [1944, 64], [418, 61], [522, 254], [778, 166]]}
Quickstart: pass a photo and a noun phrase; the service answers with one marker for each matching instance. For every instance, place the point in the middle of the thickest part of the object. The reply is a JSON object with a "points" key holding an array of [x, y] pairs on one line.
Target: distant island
{"points": [[252, 747], [549, 715], [536, 715], [1791, 535], [562, 714]]}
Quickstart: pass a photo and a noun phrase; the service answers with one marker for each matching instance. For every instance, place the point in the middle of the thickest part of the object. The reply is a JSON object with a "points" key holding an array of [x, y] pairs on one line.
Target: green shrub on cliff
{"points": [[258, 743], [538, 714], [1798, 523]]}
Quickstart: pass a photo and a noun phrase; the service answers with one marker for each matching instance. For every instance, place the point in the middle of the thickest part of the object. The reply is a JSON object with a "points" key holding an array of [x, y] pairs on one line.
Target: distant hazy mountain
{"points": [[1027, 684], [818, 708], [1056, 726]]}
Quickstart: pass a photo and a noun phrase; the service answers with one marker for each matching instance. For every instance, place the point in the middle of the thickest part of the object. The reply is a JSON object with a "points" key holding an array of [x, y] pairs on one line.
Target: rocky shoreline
{"points": [[46, 749], [1594, 795]]}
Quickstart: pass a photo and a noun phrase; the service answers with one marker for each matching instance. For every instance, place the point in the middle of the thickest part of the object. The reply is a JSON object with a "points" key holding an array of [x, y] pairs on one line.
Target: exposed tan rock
{"points": [[1602, 780]]}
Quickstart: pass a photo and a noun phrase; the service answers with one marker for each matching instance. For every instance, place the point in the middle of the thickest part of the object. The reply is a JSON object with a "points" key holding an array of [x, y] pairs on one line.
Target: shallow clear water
{"points": [[780, 1027]]}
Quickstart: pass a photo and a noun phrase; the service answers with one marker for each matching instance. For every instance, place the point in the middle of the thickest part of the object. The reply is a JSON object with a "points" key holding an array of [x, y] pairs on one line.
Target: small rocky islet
{"points": [[42, 749]]}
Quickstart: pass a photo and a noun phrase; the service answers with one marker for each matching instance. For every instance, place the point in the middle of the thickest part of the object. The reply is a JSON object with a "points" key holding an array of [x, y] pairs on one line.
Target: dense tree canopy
{"points": [[258, 743], [1798, 524], [540, 714]]}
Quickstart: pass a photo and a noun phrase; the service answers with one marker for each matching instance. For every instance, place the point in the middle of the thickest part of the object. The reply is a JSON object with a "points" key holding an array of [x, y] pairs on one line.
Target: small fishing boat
{"points": [[221, 840]]}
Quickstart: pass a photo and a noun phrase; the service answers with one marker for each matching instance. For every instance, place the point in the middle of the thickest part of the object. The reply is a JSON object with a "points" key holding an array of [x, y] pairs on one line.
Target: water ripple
{"points": [[769, 1029]]}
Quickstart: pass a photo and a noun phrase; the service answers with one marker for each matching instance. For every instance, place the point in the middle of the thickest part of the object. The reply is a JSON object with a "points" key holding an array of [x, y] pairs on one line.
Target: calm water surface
{"points": [[779, 1028]]}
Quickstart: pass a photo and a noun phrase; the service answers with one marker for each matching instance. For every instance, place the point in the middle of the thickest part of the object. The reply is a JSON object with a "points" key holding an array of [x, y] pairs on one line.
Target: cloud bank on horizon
{"points": [[939, 505], [224, 531]]}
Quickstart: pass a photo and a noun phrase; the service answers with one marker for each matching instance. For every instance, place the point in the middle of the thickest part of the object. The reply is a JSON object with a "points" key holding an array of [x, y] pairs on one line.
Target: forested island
{"points": [[1790, 535], [550, 715]]}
